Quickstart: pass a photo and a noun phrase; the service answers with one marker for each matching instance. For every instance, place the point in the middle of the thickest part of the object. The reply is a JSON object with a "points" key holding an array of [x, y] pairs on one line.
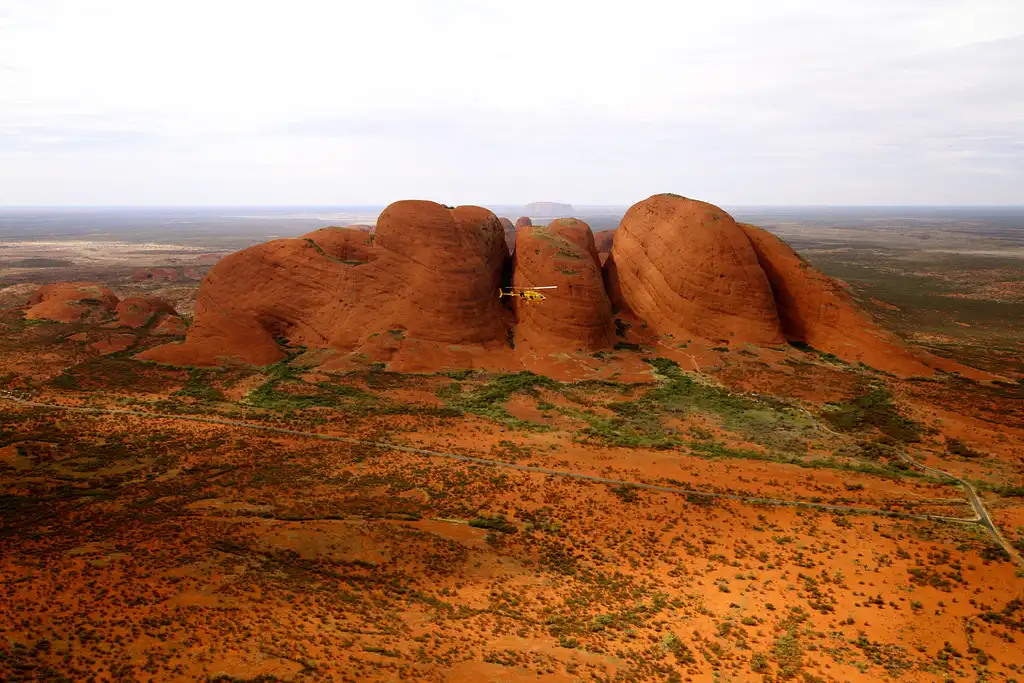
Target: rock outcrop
{"points": [[447, 266], [71, 302], [577, 315], [140, 311], [603, 241], [686, 268], [815, 309], [428, 279], [167, 274], [420, 293], [510, 233], [164, 274], [342, 244]]}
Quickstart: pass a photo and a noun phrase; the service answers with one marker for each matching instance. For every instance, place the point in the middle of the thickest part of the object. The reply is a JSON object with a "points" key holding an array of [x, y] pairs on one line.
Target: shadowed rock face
{"points": [[603, 241], [686, 267], [814, 309], [577, 315], [429, 274], [510, 234], [139, 311], [71, 302]]}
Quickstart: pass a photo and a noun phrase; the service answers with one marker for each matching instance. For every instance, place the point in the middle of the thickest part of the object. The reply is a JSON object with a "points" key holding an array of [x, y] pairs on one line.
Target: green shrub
{"points": [[498, 523], [958, 447], [874, 409]]}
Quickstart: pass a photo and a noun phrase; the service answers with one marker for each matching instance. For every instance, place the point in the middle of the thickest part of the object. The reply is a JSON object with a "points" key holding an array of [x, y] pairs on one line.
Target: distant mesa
{"points": [[548, 209], [420, 292], [69, 302]]}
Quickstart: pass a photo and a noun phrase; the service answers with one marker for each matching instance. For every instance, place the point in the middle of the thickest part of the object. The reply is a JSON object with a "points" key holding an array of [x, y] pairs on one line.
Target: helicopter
{"points": [[525, 293]]}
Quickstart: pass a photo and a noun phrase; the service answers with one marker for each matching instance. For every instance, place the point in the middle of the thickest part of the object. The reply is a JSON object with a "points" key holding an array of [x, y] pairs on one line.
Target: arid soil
{"points": [[666, 509], [137, 549]]}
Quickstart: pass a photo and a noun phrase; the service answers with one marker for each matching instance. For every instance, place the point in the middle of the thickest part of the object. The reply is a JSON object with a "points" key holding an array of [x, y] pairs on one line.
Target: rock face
{"points": [[687, 268], [71, 302], [427, 279], [170, 326], [343, 244], [139, 311], [510, 234], [603, 241], [447, 264], [814, 309], [420, 293], [576, 316]]}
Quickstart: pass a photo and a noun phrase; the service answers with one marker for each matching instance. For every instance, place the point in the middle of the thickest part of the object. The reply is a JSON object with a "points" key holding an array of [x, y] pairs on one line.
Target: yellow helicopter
{"points": [[525, 293]]}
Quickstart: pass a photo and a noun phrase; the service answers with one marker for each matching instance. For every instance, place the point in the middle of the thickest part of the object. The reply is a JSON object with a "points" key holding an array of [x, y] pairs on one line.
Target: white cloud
{"points": [[334, 101]]}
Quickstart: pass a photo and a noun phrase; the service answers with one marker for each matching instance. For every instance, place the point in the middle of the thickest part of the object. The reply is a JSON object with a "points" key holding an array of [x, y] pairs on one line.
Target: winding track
{"points": [[981, 518]]}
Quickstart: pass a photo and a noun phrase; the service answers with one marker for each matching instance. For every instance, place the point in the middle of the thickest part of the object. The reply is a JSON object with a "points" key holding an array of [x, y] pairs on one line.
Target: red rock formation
{"points": [[139, 311], [687, 268], [817, 310], [284, 288], [523, 222], [71, 302], [447, 265], [603, 241], [426, 283], [577, 315], [164, 274], [510, 233], [171, 326], [112, 343]]}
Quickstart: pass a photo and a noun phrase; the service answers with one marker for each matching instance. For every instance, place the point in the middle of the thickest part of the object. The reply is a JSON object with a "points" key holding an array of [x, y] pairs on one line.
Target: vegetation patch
{"points": [[874, 410]]}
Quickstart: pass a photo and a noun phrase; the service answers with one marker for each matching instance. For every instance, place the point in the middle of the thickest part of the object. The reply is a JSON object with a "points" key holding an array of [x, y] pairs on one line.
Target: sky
{"points": [[334, 102]]}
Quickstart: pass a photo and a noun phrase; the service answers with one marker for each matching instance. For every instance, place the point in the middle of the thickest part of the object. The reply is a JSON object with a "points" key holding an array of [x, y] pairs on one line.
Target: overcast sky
{"points": [[487, 102]]}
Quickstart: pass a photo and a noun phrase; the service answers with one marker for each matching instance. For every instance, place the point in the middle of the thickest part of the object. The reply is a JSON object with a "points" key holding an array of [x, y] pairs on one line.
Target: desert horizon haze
{"points": [[789, 102]]}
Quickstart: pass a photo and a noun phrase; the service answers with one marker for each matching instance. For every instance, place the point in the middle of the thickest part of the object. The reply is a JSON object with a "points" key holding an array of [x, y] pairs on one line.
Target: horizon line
{"points": [[486, 205]]}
